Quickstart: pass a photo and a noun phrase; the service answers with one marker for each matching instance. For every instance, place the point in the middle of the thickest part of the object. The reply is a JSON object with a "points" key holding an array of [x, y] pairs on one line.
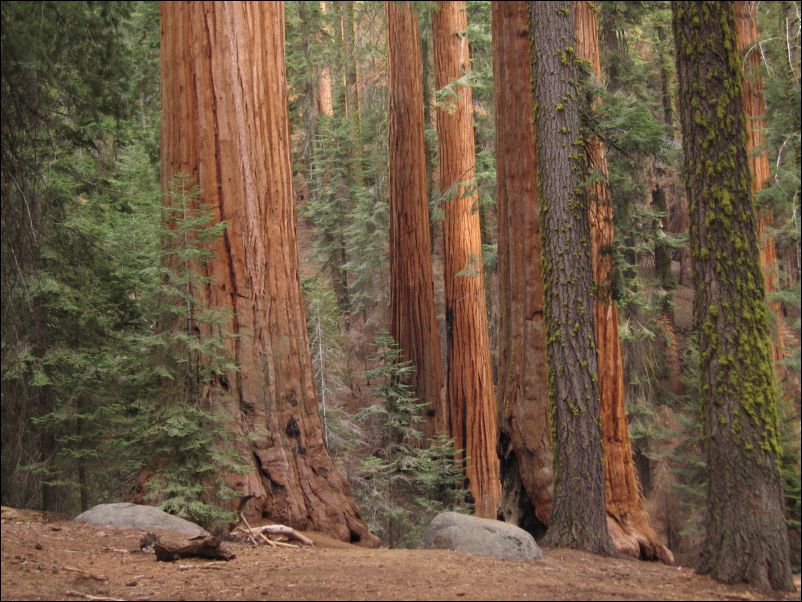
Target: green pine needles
{"points": [[187, 434], [402, 483]]}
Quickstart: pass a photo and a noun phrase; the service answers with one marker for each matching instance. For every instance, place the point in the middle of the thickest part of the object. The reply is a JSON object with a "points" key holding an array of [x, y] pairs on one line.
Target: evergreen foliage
{"points": [[401, 485], [187, 439]]}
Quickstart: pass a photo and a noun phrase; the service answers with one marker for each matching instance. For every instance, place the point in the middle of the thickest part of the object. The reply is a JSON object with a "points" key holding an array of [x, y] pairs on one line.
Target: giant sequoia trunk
{"points": [[755, 108], [470, 380], [578, 520], [225, 125], [747, 539], [525, 437], [627, 519], [413, 322]]}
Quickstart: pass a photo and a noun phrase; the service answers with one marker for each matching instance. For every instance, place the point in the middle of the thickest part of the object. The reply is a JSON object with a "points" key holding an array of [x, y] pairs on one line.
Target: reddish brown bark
{"points": [[470, 381], [225, 124], [525, 437], [627, 520], [413, 322], [325, 104], [755, 110]]}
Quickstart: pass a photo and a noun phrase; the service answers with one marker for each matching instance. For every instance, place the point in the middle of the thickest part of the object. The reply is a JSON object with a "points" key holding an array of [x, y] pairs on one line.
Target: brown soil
{"points": [[51, 558]]}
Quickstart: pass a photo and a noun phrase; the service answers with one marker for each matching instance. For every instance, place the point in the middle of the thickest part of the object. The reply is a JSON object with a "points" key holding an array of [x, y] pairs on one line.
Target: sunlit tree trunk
{"points": [[755, 108], [225, 125], [747, 538], [413, 322], [628, 523], [578, 520], [470, 380], [525, 437]]}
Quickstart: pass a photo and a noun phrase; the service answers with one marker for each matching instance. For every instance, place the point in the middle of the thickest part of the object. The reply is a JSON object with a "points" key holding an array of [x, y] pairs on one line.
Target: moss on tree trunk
{"points": [[746, 533], [578, 520]]}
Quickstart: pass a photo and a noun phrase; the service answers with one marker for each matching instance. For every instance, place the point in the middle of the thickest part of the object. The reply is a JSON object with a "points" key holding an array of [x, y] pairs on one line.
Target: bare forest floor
{"points": [[52, 558]]}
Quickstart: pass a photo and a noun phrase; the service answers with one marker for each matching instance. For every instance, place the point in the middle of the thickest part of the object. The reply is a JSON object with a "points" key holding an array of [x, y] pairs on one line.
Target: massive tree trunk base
{"points": [[736, 555], [225, 125], [516, 505], [636, 538]]}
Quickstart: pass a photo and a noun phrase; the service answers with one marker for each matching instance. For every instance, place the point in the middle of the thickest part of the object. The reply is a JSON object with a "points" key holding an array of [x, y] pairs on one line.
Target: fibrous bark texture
{"points": [[627, 520], [225, 125], [325, 103], [755, 109], [525, 436], [747, 538], [471, 399], [578, 520], [413, 322]]}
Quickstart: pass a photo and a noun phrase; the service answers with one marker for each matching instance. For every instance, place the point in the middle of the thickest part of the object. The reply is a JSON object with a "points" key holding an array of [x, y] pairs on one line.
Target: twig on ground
{"points": [[83, 573], [70, 592]]}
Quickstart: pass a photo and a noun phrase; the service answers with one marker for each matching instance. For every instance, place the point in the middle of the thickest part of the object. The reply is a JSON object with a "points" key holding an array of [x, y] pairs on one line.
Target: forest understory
{"points": [[40, 553]]}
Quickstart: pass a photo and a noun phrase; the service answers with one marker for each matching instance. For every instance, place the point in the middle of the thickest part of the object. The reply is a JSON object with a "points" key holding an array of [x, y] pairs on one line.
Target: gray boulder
{"points": [[125, 515], [483, 536]]}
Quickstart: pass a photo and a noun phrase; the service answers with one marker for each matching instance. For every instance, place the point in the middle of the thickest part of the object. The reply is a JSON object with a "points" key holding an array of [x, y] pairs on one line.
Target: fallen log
{"points": [[208, 547]]}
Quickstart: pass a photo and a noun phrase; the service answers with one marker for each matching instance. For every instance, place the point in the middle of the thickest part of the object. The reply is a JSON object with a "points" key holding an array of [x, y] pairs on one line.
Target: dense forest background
{"points": [[101, 380]]}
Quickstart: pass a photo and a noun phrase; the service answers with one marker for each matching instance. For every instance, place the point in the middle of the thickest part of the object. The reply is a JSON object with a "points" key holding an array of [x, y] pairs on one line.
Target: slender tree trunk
{"points": [[425, 50], [747, 539], [310, 106], [325, 102], [627, 520], [225, 125], [470, 379], [662, 252], [352, 89], [332, 234], [525, 437], [413, 322], [578, 520], [668, 110], [755, 108]]}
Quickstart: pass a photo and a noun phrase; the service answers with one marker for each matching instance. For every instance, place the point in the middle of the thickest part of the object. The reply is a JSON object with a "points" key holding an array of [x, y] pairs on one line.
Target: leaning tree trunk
{"points": [[225, 125], [578, 520], [525, 437], [413, 322], [627, 520], [747, 539], [470, 380], [755, 108]]}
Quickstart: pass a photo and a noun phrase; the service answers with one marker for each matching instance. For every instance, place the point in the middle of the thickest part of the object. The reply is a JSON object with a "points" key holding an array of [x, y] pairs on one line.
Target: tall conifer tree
{"points": [[747, 539], [629, 524], [525, 437], [470, 379], [225, 126], [413, 323], [578, 520]]}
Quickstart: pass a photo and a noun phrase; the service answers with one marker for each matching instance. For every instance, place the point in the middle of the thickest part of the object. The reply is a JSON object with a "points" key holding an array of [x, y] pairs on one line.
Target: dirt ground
{"points": [[52, 558]]}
